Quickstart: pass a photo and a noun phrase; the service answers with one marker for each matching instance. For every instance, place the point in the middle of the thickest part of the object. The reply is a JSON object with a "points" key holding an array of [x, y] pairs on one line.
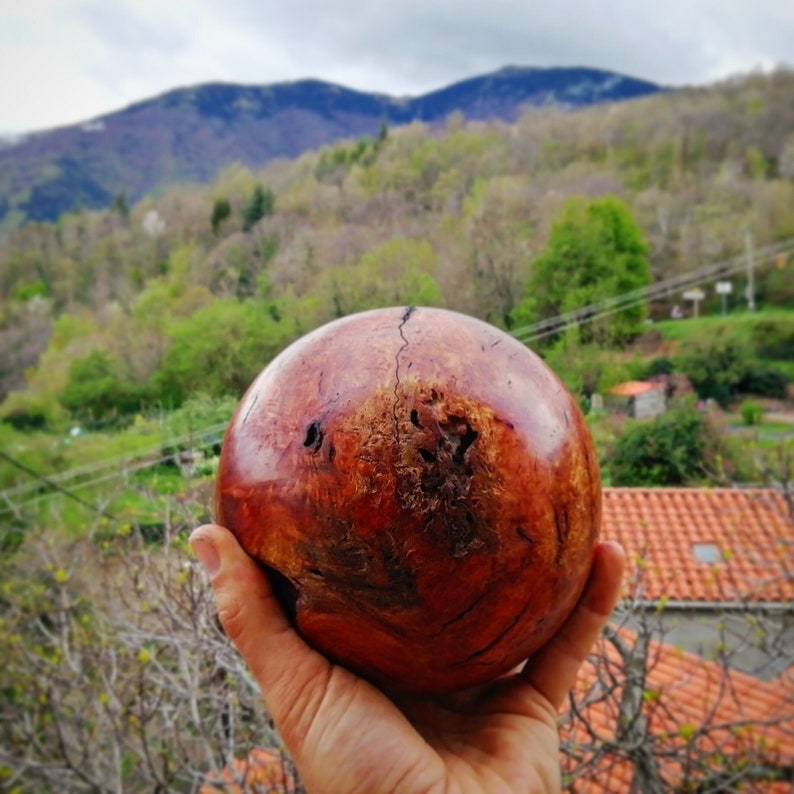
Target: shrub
{"points": [[661, 365], [751, 412], [716, 366], [773, 338], [116, 675], [676, 448], [25, 410], [763, 380]]}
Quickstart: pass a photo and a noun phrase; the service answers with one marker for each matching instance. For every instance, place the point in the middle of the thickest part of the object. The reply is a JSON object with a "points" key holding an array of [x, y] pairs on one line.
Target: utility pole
{"points": [[748, 248]]}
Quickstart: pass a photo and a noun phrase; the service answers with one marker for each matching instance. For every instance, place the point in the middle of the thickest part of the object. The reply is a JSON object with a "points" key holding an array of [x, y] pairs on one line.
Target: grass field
{"points": [[748, 327], [767, 336], [741, 317]]}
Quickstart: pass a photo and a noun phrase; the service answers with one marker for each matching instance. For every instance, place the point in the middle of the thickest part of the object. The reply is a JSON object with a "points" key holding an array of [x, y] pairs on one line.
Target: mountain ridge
{"points": [[191, 133]]}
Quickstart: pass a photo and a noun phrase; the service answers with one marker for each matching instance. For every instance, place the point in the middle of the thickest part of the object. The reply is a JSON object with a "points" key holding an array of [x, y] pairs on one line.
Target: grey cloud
{"points": [[127, 30], [130, 49], [428, 44]]}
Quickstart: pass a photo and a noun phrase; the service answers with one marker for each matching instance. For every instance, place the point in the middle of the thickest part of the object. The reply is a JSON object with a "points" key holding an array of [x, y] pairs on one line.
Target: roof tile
{"points": [[684, 693], [667, 532], [632, 388]]}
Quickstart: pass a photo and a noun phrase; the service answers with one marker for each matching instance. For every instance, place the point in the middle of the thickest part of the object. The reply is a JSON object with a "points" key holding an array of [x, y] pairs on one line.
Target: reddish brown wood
{"points": [[425, 489]]}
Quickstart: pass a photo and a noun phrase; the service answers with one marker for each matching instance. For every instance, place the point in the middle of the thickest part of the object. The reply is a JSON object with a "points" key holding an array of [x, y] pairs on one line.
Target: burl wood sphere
{"points": [[423, 491]]}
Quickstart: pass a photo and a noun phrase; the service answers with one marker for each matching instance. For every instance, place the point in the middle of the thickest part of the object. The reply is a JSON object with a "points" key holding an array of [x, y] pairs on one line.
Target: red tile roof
{"points": [[632, 388], [690, 704], [669, 532], [263, 772]]}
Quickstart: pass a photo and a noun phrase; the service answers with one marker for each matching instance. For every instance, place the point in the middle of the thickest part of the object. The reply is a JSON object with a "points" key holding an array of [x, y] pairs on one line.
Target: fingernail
{"points": [[208, 555]]}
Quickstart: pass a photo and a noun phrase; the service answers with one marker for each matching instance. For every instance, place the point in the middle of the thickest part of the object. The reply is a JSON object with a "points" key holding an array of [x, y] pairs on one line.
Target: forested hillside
{"points": [[194, 289], [190, 134]]}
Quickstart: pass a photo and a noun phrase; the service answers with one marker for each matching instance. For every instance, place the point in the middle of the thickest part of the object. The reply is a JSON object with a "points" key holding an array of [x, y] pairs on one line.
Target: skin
{"points": [[349, 737]]}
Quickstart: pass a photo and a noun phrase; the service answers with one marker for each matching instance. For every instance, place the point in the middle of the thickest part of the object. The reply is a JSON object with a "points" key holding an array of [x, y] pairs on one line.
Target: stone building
{"points": [[639, 399]]}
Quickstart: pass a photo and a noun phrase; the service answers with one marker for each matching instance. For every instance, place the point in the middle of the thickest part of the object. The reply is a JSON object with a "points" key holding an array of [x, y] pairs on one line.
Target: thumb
{"points": [[553, 669], [253, 618]]}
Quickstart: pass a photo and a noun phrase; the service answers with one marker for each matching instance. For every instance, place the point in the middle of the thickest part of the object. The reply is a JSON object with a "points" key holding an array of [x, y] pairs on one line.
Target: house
{"points": [[719, 562], [639, 399]]}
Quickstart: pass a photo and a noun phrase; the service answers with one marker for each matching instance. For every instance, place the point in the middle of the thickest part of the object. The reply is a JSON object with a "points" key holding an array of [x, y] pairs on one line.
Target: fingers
{"points": [[255, 622], [553, 669]]}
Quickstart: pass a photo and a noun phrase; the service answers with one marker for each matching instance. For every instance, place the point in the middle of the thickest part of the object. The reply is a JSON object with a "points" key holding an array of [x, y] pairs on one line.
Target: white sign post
{"points": [[695, 295], [724, 288]]}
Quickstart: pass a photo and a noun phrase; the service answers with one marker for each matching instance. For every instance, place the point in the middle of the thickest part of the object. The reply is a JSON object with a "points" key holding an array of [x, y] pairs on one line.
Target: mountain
{"points": [[189, 134]]}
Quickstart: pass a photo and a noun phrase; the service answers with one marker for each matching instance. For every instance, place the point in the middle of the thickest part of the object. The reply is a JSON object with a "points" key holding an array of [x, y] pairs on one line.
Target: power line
{"points": [[122, 461], [608, 306], [98, 468], [105, 477], [54, 485]]}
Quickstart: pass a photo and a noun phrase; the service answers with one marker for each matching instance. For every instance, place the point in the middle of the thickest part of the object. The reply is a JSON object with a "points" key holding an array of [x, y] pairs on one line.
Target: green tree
{"points": [[221, 210], [595, 251], [32, 289], [334, 164], [383, 132], [120, 204], [97, 390], [219, 349], [259, 206]]}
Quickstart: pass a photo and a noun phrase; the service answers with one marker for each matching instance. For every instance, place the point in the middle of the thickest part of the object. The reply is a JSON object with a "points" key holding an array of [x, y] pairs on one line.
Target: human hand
{"points": [[347, 736]]}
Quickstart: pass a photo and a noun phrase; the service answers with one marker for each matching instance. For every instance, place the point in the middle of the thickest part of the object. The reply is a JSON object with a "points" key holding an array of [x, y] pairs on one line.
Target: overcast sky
{"points": [[65, 61]]}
